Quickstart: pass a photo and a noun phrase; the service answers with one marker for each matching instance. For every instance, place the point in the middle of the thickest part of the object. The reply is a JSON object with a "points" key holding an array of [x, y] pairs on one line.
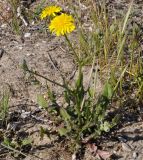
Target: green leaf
{"points": [[79, 82], [43, 132], [6, 141], [115, 120], [65, 114], [4, 106], [42, 102], [99, 109], [39, 7], [51, 95], [108, 91], [26, 142], [67, 97], [63, 131], [101, 117], [24, 65], [106, 126]]}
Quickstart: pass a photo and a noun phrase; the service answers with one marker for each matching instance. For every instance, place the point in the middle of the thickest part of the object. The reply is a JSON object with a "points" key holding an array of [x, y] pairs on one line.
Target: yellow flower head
{"points": [[62, 24], [50, 11]]}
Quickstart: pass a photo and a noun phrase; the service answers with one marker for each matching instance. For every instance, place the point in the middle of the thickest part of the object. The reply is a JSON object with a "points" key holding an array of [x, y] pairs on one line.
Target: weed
{"points": [[4, 106], [39, 9], [15, 146], [80, 117], [15, 24], [83, 116]]}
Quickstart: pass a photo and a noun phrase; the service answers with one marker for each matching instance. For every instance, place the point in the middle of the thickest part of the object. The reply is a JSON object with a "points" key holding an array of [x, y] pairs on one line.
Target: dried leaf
{"points": [[93, 148], [99, 153], [103, 154]]}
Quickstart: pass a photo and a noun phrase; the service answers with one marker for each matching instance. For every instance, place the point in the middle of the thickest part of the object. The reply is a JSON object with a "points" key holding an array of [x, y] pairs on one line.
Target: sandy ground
{"points": [[126, 144]]}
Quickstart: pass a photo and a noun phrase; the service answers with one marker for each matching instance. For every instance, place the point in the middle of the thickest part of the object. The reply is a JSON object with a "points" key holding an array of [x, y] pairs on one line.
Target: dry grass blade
{"points": [[127, 17]]}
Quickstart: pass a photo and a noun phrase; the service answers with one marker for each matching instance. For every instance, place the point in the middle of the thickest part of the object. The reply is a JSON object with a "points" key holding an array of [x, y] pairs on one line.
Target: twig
{"points": [[19, 14], [15, 150]]}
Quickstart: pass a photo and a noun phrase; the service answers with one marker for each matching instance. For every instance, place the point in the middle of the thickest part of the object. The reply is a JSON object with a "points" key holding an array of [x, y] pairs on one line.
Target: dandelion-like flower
{"points": [[50, 11], [62, 24]]}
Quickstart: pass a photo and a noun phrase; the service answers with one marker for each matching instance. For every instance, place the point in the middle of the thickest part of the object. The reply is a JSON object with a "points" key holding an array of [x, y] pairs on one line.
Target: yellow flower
{"points": [[50, 11], [62, 24]]}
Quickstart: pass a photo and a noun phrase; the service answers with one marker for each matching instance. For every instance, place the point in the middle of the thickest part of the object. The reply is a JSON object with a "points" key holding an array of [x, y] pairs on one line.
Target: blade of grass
{"points": [[127, 17]]}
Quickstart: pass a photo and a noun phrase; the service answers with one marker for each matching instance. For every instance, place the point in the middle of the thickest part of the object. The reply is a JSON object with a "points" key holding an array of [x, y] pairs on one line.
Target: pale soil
{"points": [[35, 50]]}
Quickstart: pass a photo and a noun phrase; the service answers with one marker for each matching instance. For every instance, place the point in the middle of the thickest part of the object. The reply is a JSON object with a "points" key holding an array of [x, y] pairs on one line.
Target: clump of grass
{"points": [[113, 44], [20, 15], [15, 23], [4, 106]]}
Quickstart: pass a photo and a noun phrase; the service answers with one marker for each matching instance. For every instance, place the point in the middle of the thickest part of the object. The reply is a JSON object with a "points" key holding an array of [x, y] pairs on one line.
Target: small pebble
{"points": [[25, 114], [44, 42], [27, 35], [135, 155], [122, 139], [20, 47], [4, 25], [33, 22], [74, 156]]}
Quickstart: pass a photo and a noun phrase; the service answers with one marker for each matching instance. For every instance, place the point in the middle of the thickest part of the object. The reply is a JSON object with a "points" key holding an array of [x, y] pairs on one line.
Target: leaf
{"points": [[127, 17], [107, 126], [79, 82], [6, 141], [108, 91], [101, 117], [99, 154], [39, 8], [63, 131], [103, 154], [26, 142], [99, 109], [41, 101], [66, 96], [24, 65], [115, 120], [51, 95], [65, 114], [4, 106], [92, 148], [42, 132]]}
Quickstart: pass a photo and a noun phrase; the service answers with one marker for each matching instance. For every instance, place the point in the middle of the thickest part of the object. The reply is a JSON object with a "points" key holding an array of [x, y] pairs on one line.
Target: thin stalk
{"points": [[10, 148], [39, 75], [70, 45], [120, 78], [19, 152], [127, 17]]}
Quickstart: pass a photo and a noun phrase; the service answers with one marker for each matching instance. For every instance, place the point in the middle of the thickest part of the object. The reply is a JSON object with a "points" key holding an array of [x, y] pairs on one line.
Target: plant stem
{"points": [[10, 148], [75, 54], [39, 75], [19, 152]]}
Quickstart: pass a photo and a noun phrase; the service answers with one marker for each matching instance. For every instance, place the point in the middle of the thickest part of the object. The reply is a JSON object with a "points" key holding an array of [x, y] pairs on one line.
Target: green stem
{"points": [[10, 148], [39, 75], [19, 152], [75, 54]]}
